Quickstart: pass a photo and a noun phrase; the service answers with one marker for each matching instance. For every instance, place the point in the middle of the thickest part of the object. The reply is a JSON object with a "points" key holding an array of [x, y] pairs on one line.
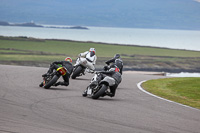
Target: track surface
{"points": [[27, 108]]}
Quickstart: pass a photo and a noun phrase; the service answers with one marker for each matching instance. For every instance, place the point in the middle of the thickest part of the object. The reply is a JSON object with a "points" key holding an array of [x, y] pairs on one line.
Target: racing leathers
{"points": [[67, 65], [116, 76], [91, 59], [101, 75], [116, 62]]}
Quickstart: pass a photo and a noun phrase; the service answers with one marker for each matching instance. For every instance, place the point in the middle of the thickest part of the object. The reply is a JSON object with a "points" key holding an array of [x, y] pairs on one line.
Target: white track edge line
{"points": [[140, 87]]}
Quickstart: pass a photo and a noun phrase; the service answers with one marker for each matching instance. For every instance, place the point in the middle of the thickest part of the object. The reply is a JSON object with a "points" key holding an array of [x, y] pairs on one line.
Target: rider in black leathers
{"points": [[67, 64], [114, 71], [115, 61]]}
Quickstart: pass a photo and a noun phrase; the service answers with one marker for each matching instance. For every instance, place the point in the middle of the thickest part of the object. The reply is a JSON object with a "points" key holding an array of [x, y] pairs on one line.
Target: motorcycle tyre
{"points": [[100, 92], [77, 72], [51, 82]]}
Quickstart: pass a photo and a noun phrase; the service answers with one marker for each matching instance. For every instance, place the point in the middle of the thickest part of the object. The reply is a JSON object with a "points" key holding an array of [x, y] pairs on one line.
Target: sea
{"points": [[175, 39]]}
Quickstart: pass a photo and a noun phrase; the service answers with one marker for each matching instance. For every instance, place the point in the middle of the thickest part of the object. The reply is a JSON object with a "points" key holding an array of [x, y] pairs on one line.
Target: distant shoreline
{"points": [[32, 24]]}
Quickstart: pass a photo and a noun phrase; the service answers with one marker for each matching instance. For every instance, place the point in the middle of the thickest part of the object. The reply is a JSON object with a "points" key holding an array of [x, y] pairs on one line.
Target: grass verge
{"points": [[182, 90]]}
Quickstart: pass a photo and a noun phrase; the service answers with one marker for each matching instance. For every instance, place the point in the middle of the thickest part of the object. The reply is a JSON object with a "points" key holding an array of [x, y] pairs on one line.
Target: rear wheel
{"points": [[51, 82], [100, 92], [77, 72]]}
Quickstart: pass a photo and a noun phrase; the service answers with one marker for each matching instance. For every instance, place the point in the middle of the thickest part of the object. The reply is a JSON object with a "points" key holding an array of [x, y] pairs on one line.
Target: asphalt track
{"points": [[27, 108]]}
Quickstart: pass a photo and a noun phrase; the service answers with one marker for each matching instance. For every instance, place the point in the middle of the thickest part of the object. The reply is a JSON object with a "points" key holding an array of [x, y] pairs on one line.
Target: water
{"points": [[178, 39], [183, 74]]}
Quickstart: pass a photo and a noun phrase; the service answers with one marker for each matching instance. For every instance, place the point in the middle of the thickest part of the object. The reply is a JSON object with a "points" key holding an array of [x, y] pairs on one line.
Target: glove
{"points": [[91, 71], [52, 63], [105, 68], [107, 63]]}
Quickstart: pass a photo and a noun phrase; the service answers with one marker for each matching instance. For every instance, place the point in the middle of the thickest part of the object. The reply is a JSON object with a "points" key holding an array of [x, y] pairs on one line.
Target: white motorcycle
{"points": [[82, 65]]}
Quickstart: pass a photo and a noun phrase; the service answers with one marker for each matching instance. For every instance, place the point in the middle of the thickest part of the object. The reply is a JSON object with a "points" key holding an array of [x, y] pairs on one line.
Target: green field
{"points": [[103, 50], [182, 90], [40, 50]]}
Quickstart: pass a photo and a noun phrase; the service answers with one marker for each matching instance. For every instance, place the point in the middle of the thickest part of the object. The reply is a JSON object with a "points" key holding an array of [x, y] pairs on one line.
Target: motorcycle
{"points": [[96, 90], [81, 67], [50, 79]]}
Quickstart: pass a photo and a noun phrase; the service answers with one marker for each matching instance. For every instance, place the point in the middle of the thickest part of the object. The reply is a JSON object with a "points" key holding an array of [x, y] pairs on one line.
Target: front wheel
{"points": [[51, 82], [100, 92]]}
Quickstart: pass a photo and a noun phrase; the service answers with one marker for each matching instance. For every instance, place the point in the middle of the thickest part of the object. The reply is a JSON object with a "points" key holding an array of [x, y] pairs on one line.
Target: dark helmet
{"points": [[117, 56]]}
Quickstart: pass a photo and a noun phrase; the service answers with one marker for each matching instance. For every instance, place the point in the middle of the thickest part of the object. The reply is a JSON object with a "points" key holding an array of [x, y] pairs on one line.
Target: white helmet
{"points": [[92, 50]]}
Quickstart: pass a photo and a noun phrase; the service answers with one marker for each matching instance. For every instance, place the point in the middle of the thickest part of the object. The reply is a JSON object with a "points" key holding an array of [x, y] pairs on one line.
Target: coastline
{"points": [[32, 24]]}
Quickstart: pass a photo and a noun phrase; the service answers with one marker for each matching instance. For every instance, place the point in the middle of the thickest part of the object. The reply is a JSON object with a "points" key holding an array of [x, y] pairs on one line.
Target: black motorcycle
{"points": [[50, 79]]}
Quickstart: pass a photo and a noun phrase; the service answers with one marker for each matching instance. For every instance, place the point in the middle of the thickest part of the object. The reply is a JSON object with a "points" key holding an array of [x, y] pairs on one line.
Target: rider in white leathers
{"points": [[90, 57]]}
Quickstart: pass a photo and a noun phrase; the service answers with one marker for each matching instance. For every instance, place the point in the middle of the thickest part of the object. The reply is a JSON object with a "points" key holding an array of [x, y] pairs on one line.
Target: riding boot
{"points": [[110, 94], [52, 66], [41, 84], [84, 93], [62, 83], [48, 72], [44, 75]]}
